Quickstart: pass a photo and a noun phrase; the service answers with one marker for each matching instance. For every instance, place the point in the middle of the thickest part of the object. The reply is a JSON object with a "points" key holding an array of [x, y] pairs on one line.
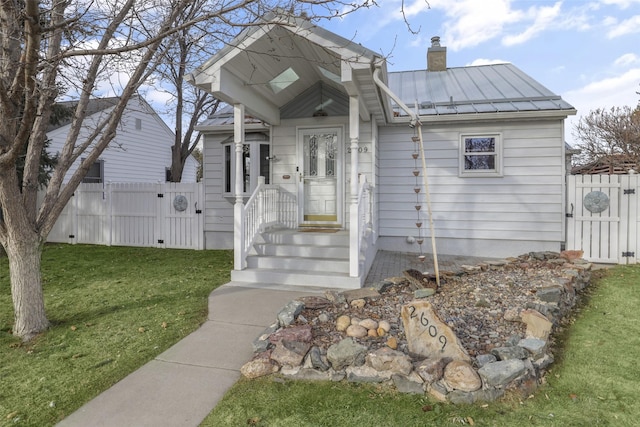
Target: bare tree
{"points": [[611, 135], [55, 47], [188, 104]]}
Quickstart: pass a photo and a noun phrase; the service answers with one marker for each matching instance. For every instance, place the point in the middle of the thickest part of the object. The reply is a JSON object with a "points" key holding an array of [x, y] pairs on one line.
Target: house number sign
{"points": [[431, 329], [596, 202], [180, 203]]}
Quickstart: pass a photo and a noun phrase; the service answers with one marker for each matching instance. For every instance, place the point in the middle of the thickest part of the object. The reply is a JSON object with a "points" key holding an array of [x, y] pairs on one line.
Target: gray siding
{"points": [[136, 154], [218, 210], [524, 205]]}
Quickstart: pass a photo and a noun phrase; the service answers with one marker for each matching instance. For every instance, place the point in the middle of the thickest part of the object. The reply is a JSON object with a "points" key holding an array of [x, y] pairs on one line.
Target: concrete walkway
{"points": [[182, 385]]}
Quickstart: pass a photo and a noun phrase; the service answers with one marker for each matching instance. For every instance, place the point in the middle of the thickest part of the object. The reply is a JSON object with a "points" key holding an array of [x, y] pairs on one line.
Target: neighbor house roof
{"points": [[473, 89], [608, 165]]}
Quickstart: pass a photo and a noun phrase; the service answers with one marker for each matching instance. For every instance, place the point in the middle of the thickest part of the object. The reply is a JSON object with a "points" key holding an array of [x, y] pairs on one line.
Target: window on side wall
{"points": [[480, 155], [95, 175], [255, 163]]}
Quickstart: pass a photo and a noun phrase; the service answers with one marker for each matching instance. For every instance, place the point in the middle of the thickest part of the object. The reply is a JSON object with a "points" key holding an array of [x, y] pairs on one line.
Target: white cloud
{"points": [[484, 61], [626, 60], [613, 91], [622, 4], [543, 18], [471, 22], [628, 26]]}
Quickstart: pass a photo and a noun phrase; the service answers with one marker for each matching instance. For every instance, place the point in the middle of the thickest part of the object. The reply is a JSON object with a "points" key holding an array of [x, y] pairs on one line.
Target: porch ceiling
{"points": [[269, 66]]}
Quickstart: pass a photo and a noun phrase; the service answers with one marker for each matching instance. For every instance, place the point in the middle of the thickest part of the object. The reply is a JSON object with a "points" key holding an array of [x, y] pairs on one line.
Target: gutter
{"points": [[376, 78]]}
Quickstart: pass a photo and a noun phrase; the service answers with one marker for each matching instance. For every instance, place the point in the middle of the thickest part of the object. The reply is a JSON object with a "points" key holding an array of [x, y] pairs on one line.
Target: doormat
{"points": [[318, 230]]}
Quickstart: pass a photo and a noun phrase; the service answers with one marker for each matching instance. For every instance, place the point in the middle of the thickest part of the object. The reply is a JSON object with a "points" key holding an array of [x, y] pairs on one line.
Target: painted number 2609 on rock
{"points": [[432, 330]]}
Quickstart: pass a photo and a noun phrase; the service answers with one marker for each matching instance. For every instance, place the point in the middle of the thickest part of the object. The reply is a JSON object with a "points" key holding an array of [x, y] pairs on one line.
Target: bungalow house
{"points": [[325, 157], [140, 152]]}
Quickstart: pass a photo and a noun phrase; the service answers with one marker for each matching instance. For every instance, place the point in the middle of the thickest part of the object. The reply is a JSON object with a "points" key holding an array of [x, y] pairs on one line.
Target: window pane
{"points": [[227, 169], [246, 167], [479, 162], [94, 175], [264, 163], [482, 145]]}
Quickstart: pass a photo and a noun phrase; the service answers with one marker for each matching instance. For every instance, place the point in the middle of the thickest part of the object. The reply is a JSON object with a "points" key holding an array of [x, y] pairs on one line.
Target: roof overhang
{"points": [[484, 117], [270, 64]]}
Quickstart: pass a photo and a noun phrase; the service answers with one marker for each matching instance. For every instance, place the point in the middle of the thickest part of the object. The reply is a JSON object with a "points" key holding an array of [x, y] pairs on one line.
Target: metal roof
{"points": [[474, 89]]}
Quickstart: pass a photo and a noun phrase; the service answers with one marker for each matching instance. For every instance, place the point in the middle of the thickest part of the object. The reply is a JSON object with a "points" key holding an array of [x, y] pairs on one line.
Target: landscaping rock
{"points": [[346, 352], [538, 326], [501, 372], [366, 374], [259, 366], [316, 359], [437, 391], [483, 359], [431, 370], [287, 315], [507, 353], [300, 333], [459, 375], [290, 353], [356, 331], [342, 323], [550, 293], [534, 346], [411, 384], [386, 359], [427, 335]]}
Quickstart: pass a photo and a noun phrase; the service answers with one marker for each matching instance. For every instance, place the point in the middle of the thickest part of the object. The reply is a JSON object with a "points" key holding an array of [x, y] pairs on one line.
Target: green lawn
{"points": [[594, 382], [112, 310]]}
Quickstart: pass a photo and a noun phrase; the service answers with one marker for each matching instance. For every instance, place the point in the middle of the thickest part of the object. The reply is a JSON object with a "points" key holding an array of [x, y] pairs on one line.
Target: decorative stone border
{"points": [[435, 362]]}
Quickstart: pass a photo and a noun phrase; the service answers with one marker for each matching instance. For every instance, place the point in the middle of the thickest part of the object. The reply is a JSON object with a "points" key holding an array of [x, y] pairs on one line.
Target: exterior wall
{"points": [[219, 209], [135, 155], [494, 217]]}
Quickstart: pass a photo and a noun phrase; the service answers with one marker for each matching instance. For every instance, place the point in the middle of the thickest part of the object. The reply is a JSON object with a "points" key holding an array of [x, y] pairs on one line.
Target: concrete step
{"points": [[296, 278], [289, 237], [310, 251], [307, 264]]}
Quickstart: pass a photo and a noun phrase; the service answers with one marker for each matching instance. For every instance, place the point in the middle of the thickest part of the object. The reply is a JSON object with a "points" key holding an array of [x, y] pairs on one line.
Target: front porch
{"points": [[271, 248]]}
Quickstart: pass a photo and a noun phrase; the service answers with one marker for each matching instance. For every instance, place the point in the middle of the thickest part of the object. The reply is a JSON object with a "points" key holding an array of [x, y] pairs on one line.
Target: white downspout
{"points": [[415, 122]]}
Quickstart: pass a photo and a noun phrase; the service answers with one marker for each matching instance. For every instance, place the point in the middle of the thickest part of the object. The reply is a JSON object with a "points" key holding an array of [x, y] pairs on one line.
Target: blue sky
{"points": [[586, 51]]}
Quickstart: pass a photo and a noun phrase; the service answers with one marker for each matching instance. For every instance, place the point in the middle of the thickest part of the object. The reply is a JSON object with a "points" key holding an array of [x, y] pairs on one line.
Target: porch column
{"points": [[238, 209], [354, 222]]}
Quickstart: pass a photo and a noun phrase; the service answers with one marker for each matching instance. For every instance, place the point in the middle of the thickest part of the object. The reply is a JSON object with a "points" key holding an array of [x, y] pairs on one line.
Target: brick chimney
{"points": [[436, 56]]}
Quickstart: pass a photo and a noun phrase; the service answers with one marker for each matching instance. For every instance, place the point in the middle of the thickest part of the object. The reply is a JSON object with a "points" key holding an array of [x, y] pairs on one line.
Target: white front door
{"points": [[320, 186]]}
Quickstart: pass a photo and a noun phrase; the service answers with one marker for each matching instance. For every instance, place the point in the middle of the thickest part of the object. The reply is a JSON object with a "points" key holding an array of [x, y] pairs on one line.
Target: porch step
{"points": [[291, 257], [311, 251], [288, 277], [299, 263]]}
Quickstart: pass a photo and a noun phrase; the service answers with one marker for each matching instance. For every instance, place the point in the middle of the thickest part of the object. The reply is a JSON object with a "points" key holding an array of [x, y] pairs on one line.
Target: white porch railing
{"points": [[267, 207], [361, 223]]}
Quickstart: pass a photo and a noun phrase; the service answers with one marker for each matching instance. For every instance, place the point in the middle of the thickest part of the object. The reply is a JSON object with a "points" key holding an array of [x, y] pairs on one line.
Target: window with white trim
{"points": [[481, 155], [255, 148], [95, 174]]}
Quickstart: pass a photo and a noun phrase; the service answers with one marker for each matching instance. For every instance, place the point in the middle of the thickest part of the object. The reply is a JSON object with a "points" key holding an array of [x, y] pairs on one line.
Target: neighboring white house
{"points": [[337, 137], [140, 152]]}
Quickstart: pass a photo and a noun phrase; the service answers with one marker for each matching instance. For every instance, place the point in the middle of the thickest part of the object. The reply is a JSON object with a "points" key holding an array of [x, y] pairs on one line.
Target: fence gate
{"points": [[602, 217], [167, 215]]}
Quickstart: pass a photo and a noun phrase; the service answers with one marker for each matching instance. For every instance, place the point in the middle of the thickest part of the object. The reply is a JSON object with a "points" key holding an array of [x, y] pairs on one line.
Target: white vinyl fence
{"points": [[166, 215], [602, 217]]}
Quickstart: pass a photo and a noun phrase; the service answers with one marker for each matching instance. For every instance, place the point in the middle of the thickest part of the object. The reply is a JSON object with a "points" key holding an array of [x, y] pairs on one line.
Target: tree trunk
{"points": [[26, 286], [177, 164]]}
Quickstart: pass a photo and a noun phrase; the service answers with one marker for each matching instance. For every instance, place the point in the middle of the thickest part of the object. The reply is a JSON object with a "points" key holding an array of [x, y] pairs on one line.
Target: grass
{"points": [[594, 382], [112, 310]]}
